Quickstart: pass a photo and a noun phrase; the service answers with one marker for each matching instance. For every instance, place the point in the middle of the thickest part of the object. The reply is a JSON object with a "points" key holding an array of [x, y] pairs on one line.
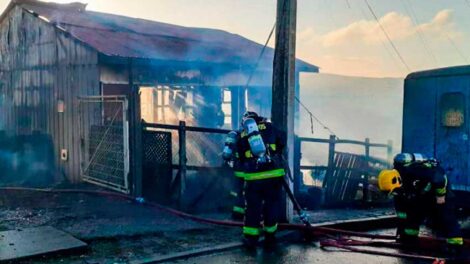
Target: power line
{"points": [[457, 49], [454, 45], [312, 116], [331, 13], [260, 56], [296, 98], [409, 9], [388, 37], [387, 49]]}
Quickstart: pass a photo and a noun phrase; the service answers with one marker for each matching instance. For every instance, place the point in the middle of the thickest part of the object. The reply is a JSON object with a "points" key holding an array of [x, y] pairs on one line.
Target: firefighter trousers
{"points": [[412, 214], [237, 192], [263, 204]]}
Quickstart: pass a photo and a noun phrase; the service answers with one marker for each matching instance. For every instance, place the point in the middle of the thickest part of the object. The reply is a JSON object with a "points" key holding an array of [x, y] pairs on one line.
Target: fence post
{"points": [[298, 179], [367, 150], [331, 153], [331, 156], [331, 167], [390, 151], [365, 184], [182, 161]]}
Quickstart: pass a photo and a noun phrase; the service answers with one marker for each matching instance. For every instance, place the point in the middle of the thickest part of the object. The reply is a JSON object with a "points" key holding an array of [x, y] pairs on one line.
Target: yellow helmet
{"points": [[389, 180]]}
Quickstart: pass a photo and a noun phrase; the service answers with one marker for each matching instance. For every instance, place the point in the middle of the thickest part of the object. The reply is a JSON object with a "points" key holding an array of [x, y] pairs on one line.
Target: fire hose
{"points": [[337, 244], [346, 244], [316, 230]]}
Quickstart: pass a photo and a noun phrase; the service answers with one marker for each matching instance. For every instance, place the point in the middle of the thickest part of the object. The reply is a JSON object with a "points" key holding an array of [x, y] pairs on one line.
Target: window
{"points": [[166, 104], [147, 104], [227, 107], [452, 109]]}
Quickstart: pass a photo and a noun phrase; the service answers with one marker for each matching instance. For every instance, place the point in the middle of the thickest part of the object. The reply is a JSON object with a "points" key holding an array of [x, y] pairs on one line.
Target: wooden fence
{"points": [[336, 171], [196, 150], [212, 144]]}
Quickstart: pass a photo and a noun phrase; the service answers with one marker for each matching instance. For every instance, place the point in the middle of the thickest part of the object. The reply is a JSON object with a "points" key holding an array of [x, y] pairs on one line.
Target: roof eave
{"points": [[116, 59]]}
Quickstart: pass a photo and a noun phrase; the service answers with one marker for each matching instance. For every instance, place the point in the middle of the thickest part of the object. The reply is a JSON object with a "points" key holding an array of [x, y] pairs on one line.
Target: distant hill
{"points": [[354, 108]]}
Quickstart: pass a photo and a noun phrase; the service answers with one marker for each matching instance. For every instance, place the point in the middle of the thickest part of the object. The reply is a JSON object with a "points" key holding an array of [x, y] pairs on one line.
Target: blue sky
{"points": [[340, 36]]}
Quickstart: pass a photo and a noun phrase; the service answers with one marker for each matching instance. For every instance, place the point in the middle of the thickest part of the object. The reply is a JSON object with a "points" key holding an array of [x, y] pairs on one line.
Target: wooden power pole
{"points": [[283, 102]]}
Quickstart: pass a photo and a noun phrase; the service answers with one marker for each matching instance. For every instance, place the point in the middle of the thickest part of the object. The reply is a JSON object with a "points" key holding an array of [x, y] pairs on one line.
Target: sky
{"points": [[340, 36]]}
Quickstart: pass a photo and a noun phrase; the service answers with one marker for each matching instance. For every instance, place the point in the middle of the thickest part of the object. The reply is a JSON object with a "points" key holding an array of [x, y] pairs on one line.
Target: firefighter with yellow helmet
{"points": [[421, 190]]}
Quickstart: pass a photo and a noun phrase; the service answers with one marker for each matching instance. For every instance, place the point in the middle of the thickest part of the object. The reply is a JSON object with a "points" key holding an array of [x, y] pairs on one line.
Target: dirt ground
{"points": [[120, 231], [117, 231]]}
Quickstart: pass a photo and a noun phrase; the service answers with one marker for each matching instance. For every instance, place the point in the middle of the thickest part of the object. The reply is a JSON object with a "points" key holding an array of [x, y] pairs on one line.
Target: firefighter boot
{"points": [[270, 241], [408, 240], [457, 254], [250, 242]]}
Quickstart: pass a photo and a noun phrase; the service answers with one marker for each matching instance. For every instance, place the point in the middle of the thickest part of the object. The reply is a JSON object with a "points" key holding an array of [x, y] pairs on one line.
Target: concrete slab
{"points": [[31, 242]]}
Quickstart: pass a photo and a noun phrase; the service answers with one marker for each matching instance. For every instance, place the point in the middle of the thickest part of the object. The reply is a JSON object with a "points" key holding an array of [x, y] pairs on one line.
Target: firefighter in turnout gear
{"points": [[260, 147], [232, 158], [421, 190]]}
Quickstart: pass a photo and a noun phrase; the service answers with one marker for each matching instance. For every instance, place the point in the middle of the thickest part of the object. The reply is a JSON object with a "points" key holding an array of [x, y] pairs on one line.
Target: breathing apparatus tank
{"points": [[257, 146], [230, 142]]}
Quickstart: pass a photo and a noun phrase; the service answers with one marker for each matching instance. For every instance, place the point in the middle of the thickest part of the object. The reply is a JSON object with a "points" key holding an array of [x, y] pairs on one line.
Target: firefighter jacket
{"points": [[253, 170], [416, 200], [237, 163], [423, 180]]}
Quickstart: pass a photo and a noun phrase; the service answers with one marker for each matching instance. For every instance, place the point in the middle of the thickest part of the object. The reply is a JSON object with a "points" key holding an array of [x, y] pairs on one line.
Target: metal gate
{"points": [[157, 166], [104, 138]]}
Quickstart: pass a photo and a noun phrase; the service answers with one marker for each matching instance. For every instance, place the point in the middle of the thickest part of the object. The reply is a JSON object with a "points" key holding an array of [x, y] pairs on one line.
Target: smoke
{"points": [[26, 161], [354, 108]]}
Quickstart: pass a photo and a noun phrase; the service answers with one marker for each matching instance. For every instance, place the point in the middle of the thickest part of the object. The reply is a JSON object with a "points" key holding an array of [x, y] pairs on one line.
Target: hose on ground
{"points": [[315, 230], [336, 244], [298, 227]]}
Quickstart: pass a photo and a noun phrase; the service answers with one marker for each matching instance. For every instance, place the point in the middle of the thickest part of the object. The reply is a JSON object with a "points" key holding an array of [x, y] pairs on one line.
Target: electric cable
{"points": [[387, 35], [250, 78], [312, 116], [410, 11], [382, 41], [452, 43], [457, 49]]}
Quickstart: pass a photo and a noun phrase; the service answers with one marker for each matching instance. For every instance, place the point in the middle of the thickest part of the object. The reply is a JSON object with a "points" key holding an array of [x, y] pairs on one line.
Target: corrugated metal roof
{"points": [[441, 72], [121, 36]]}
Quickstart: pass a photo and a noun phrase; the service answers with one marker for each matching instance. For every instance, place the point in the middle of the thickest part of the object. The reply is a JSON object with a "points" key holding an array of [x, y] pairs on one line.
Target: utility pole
{"points": [[283, 102]]}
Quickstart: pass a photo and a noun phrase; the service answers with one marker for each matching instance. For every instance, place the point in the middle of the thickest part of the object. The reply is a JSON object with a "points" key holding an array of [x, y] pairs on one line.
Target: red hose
{"points": [[336, 244], [314, 230], [321, 230]]}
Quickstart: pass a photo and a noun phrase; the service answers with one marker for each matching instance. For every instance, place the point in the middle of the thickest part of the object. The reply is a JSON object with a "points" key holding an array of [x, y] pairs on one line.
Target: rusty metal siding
{"points": [[127, 37], [77, 76], [39, 65]]}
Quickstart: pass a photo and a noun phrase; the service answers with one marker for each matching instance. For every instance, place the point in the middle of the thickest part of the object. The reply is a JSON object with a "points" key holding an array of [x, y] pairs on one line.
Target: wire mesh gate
{"points": [[104, 138], [157, 167]]}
